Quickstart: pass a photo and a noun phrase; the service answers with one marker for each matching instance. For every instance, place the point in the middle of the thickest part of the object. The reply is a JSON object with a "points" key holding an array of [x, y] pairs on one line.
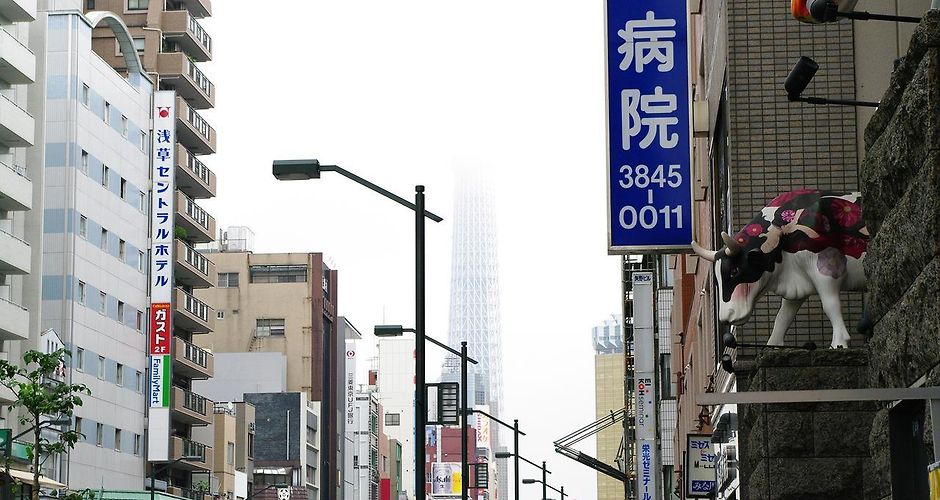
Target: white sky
{"points": [[403, 93]]}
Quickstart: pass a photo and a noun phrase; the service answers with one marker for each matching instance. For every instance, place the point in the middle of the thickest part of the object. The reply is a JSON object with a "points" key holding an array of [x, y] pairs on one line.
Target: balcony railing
{"points": [[200, 78], [21, 171], [194, 449], [196, 403], [197, 167], [197, 30], [196, 259], [200, 123], [197, 213], [196, 354], [195, 306]]}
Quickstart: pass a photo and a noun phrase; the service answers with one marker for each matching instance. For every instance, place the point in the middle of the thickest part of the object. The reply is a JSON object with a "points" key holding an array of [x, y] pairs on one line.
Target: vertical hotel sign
{"points": [[644, 351], [649, 155], [161, 272]]}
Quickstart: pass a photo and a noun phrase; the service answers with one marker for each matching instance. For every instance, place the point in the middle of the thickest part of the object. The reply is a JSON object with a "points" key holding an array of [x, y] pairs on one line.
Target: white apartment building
{"points": [[396, 390]]}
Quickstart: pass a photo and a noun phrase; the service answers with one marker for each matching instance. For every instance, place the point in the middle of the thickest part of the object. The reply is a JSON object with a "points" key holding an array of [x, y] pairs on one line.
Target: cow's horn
{"points": [[731, 247], [703, 253]]}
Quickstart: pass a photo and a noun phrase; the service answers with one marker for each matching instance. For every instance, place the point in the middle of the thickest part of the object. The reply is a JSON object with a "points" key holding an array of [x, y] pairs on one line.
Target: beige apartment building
{"points": [[608, 397], [232, 436], [171, 42], [758, 145]]}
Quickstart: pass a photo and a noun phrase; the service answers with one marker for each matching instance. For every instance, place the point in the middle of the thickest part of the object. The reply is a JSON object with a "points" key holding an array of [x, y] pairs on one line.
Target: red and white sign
{"points": [[161, 329]]}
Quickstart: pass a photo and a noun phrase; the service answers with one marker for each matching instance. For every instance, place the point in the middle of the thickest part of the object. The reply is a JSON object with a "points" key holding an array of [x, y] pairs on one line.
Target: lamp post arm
{"points": [[498, 421], [448, 349], [533, 464], [378, 189]]}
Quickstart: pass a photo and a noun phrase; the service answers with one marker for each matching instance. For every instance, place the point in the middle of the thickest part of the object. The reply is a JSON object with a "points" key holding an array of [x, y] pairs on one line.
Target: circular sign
{"points": [[350, 354]]}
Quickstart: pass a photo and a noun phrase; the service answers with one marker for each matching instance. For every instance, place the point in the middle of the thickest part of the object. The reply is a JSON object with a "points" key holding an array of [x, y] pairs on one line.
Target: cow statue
{"points": [[804, 242]]}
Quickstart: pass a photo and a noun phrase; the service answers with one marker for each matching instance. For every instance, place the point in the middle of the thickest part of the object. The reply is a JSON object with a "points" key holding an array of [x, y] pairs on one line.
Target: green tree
{"points": [[39, 393]]}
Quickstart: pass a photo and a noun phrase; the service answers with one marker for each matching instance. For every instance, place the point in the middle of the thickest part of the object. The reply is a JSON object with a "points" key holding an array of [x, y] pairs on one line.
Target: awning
{"points": [[27, 477]]}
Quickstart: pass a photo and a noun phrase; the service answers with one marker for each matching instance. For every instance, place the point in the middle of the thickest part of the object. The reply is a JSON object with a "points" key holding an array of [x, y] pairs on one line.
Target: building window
{"points": [[140, 321], [142, 202], [102, 363], [278, 274], [220, 314], [124, 121], [230, 453], [78, 425], [140, 261], [102, 302], [119, 378], [143, 141], [136, 444], [107, 112], [137, 4], [251, 445], [355, 461], [228, 280], [140, 44], [266, 327], [104, 239], [99, 434], [83, 226], [121, 311], [80, 359], [89, 4], [85, 162], [123, 188], [122, 250], [139, 381], [81, 292], [86, 91], [105, 174], [392, 419], [117, 439]]}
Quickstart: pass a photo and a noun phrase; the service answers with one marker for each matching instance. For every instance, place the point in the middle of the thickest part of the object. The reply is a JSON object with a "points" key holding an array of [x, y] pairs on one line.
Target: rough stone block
{"points": [[878, 476], [813, 377], [815, 478], [784, 357], [894, 158], [790, 434], [907, 241], [754, 448], [841, 433], [840, 357], [758, 483], [905, 342]]}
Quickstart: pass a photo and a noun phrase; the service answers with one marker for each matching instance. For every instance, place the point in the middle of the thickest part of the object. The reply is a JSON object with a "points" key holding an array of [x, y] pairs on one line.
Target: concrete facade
{"points": [[608, 397], [396, 394]]}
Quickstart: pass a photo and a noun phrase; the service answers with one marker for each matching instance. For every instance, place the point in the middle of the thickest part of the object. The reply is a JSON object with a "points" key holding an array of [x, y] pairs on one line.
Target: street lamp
{"points": [[397, 331], [799, 78], [8, 448], [515, 445], [294, 170], [164, 467], [544, 486]]}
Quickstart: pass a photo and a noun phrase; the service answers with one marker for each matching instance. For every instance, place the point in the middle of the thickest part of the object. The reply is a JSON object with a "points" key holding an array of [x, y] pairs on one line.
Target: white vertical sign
{"points": [[350, 383], [162, 195], [644, 350]]}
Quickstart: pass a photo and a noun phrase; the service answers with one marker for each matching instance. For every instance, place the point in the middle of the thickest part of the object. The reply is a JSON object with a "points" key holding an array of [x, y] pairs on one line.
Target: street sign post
{"points": [[649, 120]]}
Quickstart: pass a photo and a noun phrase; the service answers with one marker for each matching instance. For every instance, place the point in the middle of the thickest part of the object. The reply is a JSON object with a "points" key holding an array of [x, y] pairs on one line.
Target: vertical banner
{"points": [[649, 146], [162, 152], [644, 348], [700, 477], [350, 385]]}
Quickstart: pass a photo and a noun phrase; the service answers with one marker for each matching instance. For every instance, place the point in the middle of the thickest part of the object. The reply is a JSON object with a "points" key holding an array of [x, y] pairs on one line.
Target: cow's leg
{"points": [[832, 305], [785, 315]]}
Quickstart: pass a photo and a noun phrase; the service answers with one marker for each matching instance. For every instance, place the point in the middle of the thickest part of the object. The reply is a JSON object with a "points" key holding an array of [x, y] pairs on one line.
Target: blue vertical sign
{"points": [[649, 126]]}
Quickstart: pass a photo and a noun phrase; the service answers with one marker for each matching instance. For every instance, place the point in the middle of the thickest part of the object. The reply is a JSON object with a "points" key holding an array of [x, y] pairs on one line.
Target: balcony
{"points": [[192, 176], [14, 252], [199, 225], [16, 125], [182, 447], [189, 494], [17, 62], [14, 320], [192, 268], [181, 28], [189, 82], [192, 361], [18, 11], [191, 314], [190, 408], [16, 190], [193, 130], [198, 8]]}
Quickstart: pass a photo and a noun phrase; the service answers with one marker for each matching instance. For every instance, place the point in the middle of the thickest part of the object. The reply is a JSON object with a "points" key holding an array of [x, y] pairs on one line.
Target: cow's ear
{"points": [[755, 257]]}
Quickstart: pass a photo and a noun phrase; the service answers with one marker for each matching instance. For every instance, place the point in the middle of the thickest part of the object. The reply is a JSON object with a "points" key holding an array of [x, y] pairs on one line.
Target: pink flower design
{"points": [[754, 229], [852, 246], [788, 215], [846, 213]]}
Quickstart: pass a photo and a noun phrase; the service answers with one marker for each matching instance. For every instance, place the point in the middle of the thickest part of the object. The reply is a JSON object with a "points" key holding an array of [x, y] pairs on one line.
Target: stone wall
{"points": [[805, 450], [900, 181]]}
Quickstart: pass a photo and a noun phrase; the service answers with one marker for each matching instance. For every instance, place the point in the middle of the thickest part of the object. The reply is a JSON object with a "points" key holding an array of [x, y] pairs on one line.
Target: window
{"points": [[220, 314], [89, 4], [140, 261], [117, 439], [80, 359], [356, 460], [230, 453], [228, 280], [102, 303], [102, 363], [99, 434], [124, 118], [105, 173], [251, 445], [83, 227], [86, 95], [85, 162], [143, 141], [122, 250], [266, 327], [107, 112], [278, 274], [137, 4], [136, 444], [81, 292], [104, 239], [123, 188], [78, 425], [120, 311], [119, 378], [140, 321], [140, 44], [139, 381], [392, 419], [142, 202]]}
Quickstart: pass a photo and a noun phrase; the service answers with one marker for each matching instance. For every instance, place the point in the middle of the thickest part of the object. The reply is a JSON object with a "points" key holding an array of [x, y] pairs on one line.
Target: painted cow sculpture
{"points": [[803, 242]]}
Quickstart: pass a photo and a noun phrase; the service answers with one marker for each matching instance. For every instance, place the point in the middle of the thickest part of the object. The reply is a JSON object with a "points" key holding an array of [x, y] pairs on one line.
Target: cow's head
{"points": [[741, 275]]}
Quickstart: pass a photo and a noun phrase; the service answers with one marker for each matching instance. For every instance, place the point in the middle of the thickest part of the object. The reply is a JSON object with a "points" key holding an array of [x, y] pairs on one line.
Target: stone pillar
{"points": [[804, 450]]}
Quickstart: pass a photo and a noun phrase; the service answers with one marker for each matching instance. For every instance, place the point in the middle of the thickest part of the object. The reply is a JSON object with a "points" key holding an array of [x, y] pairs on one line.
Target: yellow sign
{"points": [[933, 472], [456, 483]]}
